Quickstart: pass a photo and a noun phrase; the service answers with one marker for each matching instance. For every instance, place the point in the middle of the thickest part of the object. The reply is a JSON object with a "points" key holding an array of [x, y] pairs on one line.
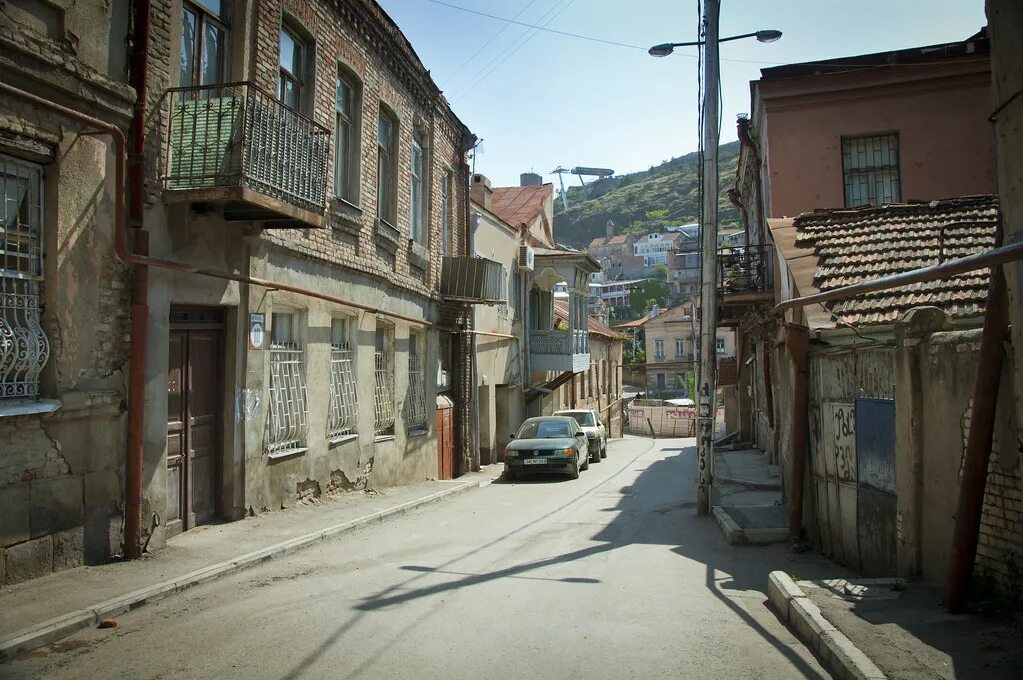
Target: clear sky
{"points": [[539, 100]]}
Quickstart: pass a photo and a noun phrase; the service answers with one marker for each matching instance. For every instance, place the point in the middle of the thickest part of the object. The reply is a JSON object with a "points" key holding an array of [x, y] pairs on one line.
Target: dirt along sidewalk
{"points": [[40, 611]]}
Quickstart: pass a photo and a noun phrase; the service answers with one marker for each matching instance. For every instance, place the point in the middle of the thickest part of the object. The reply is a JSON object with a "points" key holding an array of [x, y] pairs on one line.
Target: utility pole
{"points": [[705, 416]]}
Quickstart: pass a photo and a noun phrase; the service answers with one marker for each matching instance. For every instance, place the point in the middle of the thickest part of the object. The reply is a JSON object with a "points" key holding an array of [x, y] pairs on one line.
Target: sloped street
{"points": [[609, 576]]}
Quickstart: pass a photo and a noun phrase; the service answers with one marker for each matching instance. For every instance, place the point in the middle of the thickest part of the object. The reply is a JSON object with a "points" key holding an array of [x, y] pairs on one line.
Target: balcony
{"points": [[743, 274], [559, 350], [236, 149], [475, 280]]}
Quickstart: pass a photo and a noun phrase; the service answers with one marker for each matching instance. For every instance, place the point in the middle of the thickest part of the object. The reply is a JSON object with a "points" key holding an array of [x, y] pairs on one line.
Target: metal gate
{"points": [[875, 482]]}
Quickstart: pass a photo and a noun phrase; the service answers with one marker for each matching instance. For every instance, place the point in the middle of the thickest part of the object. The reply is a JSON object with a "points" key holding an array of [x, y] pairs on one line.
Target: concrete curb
{"points": [[749, 483], [50, 631], [736, 535], [837, 650]]}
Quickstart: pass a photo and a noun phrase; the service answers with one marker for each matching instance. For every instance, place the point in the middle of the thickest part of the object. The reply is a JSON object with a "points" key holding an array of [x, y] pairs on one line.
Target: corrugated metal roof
{"points": [[851, 245]]}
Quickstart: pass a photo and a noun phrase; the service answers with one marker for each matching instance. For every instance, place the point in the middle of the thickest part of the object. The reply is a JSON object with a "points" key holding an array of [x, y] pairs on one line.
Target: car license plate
{"points": [[534, 461]]}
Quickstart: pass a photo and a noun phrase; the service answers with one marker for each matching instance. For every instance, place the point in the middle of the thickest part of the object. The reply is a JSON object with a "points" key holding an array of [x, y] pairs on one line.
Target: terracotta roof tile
{"points": [[605, 241], [519, 206], [857, 244]]}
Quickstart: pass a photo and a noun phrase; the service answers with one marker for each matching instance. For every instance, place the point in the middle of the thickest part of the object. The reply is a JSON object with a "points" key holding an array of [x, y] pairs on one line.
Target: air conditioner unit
{"points": [[526, 258]]}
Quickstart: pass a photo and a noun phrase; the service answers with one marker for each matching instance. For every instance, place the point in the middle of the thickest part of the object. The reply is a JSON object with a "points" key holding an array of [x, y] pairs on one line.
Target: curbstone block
{"points": [[808, 621], [732, 531], [846, 658], [781, 590]]}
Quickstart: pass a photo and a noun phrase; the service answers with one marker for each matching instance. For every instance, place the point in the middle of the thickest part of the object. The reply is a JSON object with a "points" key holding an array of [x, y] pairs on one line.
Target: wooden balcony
{"points": [[239, 151]]}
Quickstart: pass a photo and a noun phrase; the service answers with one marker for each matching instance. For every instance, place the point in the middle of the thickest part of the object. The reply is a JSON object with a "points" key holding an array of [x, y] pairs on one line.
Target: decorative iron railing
{"points": [[288, 422], [415, 399], [343, 412], [383, 393], [743, 270], [558, 342], [237, 135]]}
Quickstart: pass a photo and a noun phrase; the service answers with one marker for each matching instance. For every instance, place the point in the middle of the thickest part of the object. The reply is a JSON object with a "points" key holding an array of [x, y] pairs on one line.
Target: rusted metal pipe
{"points": [[992, 258], [139, 345], [797, 339], [978, 445]]}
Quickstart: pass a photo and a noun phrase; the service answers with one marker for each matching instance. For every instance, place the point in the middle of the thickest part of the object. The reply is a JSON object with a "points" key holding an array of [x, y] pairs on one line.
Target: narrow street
{"points": [[609, 576]]}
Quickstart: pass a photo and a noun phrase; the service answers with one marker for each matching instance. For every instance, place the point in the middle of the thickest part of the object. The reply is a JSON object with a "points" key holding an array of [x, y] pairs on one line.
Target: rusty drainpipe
{"points": [[797, 340], [139, 291], [978, 444]]}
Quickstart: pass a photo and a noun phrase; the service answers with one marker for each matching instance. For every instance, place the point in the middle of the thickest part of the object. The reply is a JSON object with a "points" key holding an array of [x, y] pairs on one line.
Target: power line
{"points": [[586, 37], [565, 6], [489, 41]]}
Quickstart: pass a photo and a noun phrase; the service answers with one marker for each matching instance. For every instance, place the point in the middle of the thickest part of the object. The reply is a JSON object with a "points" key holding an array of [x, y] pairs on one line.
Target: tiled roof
{"points": [[519, 206], [636, 323], [613, 241], [596, 327], [851, 245]]}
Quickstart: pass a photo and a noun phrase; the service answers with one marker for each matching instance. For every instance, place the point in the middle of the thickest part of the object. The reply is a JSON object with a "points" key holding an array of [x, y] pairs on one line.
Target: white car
{"points": [[596, 432]]}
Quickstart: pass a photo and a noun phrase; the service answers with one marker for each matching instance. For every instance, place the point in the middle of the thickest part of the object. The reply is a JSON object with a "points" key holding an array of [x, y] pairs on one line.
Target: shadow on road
{"points": [[643, 517]]}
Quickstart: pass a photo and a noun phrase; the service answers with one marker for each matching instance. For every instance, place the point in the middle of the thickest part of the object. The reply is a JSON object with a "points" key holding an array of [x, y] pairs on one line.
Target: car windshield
{"points": [[584, 418], [545, 429]]}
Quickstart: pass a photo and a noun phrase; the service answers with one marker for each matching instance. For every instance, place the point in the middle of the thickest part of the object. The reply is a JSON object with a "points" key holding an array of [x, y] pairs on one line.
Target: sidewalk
{"points": [[887, 629], [38, 612], [747, 497]]}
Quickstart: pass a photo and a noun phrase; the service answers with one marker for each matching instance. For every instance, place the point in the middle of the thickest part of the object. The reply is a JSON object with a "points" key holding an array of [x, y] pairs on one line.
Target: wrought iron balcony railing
{"points": [[743, 270], [236, 136]]}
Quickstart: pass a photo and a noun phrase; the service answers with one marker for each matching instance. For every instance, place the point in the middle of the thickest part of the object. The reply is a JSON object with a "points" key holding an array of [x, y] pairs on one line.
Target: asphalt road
{"points": [[608, 576]]}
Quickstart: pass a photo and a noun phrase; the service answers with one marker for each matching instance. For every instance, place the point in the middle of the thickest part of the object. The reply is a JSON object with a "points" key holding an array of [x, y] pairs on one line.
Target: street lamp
{"points": [[664, 49], [706, 378]]}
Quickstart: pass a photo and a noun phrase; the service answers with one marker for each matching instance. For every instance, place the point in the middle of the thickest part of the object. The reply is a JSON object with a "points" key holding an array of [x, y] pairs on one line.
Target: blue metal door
{"points": [[875, 482]]}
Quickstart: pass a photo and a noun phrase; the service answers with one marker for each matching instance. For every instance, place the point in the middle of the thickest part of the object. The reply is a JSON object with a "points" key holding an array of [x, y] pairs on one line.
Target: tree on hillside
{"points": [[644, 292], [661, 271]]}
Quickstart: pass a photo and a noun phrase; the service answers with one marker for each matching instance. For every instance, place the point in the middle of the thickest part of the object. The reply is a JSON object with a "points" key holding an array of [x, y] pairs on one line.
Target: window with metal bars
{"points": [[415, 399], [870, 169], [24, 348], [383, 381], [343, 411], [288, 420]]}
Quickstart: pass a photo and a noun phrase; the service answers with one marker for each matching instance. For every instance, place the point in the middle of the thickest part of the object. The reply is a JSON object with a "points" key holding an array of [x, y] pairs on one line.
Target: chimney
{"points": [[530, 179], [481, 193], [610, 228]]}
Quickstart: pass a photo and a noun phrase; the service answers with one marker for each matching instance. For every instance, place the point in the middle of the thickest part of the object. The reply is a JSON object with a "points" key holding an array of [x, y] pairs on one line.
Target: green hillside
{"points": [[644, 202]]}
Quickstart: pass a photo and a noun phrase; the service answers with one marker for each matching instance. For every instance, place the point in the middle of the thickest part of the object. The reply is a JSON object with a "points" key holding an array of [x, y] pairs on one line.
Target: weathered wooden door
{"points": [[445, 439], [193, 424], [876, 491]]}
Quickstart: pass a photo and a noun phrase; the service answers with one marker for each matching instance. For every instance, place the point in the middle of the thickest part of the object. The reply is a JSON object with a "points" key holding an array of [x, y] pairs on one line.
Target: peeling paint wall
{"points": [[60, 472]]}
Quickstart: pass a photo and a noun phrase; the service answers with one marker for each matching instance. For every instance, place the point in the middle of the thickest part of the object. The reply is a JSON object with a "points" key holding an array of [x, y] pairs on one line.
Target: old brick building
{"points": [[304, 205]]}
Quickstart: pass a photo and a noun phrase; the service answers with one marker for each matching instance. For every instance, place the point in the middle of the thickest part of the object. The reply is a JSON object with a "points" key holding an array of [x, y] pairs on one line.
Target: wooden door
{"points": [[193, 427], [445, 442]]}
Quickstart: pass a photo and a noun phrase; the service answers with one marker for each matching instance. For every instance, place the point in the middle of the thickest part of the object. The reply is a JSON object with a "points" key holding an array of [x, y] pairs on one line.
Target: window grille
{"points": [[870, 166], [344, 400], [24, 348], [415, 401], [383, 393], [289, 408]]}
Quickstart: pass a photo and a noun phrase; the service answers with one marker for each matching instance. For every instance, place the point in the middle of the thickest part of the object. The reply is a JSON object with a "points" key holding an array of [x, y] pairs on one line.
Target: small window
{"points": [[870, 169], [416, 202], [383, 391], [294, 65], [502, 294], [415, 399], [203, 43], [288, 422], [661, 381], [346, 139], [680, 347], [720, 345], [659, 348], [445, 214], [343, 413], [386, 195]]}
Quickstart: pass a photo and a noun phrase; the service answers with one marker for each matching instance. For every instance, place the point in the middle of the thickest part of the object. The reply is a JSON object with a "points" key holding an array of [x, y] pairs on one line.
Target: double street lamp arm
{"points": [[664, 49]]}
